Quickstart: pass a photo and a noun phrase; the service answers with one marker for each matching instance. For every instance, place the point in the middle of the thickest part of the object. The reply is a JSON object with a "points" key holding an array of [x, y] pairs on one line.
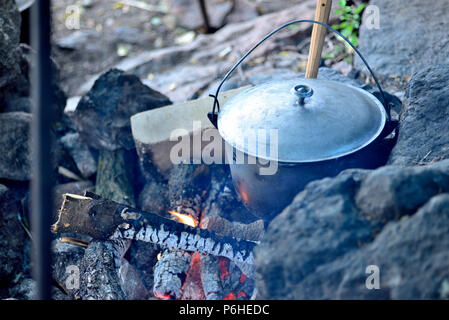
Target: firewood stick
{"points": [[105, 219]]}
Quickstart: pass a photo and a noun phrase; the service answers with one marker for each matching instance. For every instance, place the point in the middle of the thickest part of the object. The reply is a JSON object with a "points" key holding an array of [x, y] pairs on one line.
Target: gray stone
{"points": [[308, 250], [26, 289], [9, 38], [321, 224], [12, 237], [188, 13], [102, 116], [412, 256], [80, 153], [412, 35], [388, 193], [15, 96], [424, 123], [15, 157]]}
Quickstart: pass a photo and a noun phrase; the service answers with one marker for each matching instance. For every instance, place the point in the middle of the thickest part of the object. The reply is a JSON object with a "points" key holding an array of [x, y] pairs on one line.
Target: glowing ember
{"points": [[230, 296], [165, 296], [184, 218], [224, 271]]}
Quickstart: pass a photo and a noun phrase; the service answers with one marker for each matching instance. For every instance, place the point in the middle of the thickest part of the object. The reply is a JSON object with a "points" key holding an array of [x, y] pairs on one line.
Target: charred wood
{"points": [[113, 177], [186, 186], [105, 219]]}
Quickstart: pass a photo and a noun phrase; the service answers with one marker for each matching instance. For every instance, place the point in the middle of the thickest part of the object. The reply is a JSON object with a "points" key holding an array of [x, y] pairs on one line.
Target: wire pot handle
{"points": [[213, 116]]}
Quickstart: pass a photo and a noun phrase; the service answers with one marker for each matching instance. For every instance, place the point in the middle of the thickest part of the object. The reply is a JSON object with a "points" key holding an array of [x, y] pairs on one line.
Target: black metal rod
{"points": [[41, 182]]}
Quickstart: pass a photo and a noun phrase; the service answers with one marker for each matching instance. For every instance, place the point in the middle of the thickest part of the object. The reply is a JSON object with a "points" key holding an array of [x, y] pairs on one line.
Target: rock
{"points": [[243, 10], [131, 283], [14, 133], [412, 256], [80, 39], [412, 34], [26, 289], [16, 94], [143, 257], [188, 13], [13, 238], [184, 72], [424, 121], [9, 38], [102, 116], [306, 251], [85, 161], [320, 225]]}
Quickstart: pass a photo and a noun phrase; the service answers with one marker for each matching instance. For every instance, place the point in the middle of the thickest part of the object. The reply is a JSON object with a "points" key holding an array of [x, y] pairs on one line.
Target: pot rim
{"points": [[383, 113]]}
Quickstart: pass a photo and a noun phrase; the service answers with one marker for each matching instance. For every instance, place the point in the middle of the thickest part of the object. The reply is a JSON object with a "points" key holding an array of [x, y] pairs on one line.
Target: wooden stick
{"points": [[322, 13]]}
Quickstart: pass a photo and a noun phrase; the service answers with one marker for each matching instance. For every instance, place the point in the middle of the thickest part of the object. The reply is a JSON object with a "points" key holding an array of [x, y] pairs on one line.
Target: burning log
{"points": [[99, 279], [186, 185], [101, 218]]}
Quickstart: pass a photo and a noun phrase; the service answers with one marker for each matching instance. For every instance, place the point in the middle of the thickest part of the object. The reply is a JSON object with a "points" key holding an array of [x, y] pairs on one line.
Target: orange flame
{"points": [[185, 218]]}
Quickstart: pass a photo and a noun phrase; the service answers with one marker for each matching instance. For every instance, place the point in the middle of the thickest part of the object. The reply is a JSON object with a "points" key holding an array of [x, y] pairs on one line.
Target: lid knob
{"points": [[302, 92]]}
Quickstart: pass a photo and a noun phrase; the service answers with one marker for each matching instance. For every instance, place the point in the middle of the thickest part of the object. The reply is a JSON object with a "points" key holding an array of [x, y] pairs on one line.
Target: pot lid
{"points": [[314, 120]]}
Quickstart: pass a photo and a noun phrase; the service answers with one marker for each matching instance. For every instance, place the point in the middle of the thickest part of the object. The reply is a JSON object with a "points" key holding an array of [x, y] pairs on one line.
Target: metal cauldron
{"points": [[322, 128]]}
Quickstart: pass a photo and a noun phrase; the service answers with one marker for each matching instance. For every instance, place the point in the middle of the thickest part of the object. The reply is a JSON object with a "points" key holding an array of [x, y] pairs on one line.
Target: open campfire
{"points": [[199, 254], [224, 150]]}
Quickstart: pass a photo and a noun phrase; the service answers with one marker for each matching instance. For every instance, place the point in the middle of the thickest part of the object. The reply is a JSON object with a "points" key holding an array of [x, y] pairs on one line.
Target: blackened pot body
{"points": [[267, 195]]}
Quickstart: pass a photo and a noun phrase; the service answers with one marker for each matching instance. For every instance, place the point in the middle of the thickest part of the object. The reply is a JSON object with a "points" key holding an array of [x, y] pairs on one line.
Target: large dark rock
{"points": [[9, 39], [12, 237], [390, 193], [333, 218], [321, 224], [15, 95], [80, 153], [412, 35], [412, 256], [102, 116], [424, 124], [15, 157]]}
